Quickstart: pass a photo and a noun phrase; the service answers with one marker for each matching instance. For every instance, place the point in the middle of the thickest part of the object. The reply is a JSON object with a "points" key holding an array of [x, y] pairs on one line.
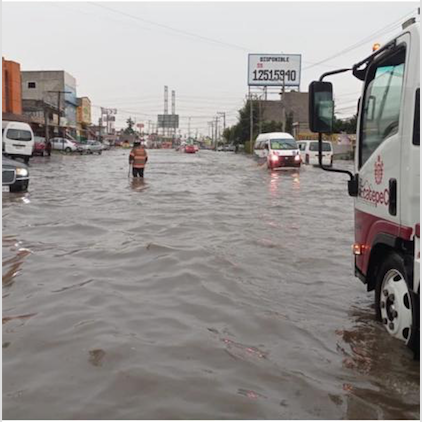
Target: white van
{"points": [[278, 149], [309, 152], [18, 140]]}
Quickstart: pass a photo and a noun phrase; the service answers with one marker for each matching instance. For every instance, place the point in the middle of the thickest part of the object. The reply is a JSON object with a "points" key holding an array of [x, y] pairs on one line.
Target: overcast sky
{"points": [[122, 58]]}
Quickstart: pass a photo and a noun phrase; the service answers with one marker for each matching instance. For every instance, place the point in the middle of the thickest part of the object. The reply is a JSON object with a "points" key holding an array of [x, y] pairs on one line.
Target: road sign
{"points": [[274, 69], [168, 121]]}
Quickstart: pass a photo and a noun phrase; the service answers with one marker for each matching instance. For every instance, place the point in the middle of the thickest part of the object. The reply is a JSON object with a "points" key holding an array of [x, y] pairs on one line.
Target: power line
{"points": [[180, 31], [388, 28]]}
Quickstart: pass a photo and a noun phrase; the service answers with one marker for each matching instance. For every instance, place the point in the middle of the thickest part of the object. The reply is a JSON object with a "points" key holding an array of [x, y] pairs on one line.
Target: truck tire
{"points": [[395, 305], [68, 150]]}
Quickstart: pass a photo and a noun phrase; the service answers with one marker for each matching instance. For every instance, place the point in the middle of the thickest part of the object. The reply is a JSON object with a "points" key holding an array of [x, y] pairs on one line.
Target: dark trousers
{"points": [[137, 172]]}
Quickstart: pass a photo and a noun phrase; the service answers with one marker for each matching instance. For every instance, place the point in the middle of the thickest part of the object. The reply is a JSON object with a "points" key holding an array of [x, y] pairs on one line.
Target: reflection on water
{"points": [[15, 197], [279, 178], [138, 184], [13, 259], [209, 290], [369, 351]]}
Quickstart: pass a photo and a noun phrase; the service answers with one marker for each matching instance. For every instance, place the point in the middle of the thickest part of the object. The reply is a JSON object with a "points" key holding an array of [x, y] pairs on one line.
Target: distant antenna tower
{"points": [[173, 102], [166, 99]]}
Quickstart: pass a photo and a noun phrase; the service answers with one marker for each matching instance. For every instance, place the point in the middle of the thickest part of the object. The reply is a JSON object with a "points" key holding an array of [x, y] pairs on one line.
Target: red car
{"points": [[190, 149], [39, 146]]}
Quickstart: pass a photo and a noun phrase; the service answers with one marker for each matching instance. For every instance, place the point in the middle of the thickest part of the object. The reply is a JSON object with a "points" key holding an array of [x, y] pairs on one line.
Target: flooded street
{"points": [[211, 290]]}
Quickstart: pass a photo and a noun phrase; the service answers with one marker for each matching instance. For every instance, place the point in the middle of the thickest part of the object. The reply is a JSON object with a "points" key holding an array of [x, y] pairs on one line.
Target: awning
{"points": [[11, 117]]}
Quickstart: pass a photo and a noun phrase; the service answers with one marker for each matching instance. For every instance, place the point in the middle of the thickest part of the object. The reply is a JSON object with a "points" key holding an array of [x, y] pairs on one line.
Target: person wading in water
{"points": [[138, 158]]}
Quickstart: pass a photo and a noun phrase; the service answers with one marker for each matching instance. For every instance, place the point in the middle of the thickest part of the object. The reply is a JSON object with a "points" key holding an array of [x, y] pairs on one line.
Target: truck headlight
{"points": [[21, 172]]}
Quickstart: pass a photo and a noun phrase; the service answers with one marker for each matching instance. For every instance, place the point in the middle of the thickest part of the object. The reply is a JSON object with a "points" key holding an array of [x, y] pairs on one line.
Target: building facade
{"points": [[83, 118], [56, 89], [11, 87], [83, 112], [291, 110]]}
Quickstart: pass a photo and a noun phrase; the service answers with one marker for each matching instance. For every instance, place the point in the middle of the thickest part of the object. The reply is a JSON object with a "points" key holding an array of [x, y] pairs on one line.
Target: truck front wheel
{"points": [[396, 306]]}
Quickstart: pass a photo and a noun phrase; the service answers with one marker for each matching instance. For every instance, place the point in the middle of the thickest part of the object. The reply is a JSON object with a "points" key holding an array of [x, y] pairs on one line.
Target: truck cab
{"points": [[386, 178]]}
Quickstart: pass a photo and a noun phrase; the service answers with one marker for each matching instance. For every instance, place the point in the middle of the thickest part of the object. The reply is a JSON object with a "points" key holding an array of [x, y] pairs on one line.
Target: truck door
{"points": [[379, 150]]}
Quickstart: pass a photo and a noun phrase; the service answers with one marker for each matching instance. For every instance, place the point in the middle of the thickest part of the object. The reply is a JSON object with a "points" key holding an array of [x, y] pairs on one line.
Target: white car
{"points": [[66, 145], [94, 146], [309, 152]]}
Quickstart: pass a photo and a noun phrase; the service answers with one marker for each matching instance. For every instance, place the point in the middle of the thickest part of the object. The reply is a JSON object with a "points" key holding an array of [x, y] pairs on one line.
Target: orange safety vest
{"points": [[138, 157]]}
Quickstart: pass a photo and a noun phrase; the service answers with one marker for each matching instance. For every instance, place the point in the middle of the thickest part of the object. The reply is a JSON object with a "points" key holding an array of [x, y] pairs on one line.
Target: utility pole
{"points": [[211, 126], [166, 106], [100, 126], [46, 123], [216, 133], [251, 123], [173, 112], [59, 111], [224, 120]]}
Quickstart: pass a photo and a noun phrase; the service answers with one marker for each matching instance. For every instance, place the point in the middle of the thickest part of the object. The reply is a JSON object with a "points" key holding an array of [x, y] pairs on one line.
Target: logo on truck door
{"points": [[372, 195], [378, 170]]}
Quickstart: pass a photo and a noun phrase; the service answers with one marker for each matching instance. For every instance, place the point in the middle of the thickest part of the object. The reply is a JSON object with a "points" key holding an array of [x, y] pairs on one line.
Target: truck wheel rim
{"points": [[396, 306]]}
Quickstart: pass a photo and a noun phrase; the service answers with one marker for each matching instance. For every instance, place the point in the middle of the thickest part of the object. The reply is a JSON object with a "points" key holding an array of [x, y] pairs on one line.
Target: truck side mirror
{"points": [[321, 107], [353, 185]]}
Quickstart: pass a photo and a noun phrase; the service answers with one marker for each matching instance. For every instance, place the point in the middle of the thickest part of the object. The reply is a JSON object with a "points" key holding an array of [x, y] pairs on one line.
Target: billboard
{"points": [[168, 121], [274, 69], [108, 111]]}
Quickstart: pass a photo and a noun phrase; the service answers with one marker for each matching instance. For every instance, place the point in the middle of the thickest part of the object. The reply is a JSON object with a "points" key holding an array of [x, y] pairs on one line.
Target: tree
{"points": [[345, 125], [289, 123], [272, 126], [129, 130]]}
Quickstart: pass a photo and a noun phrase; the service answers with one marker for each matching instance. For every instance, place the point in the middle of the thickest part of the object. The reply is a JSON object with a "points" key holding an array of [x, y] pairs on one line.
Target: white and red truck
{"points": [[386, 177]]}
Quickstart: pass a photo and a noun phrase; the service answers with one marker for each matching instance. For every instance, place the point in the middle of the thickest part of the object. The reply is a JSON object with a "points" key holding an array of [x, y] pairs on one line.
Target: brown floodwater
{"points": [[211, 290]]}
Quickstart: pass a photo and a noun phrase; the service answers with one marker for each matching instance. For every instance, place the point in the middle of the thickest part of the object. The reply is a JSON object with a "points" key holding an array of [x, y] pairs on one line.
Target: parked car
{"points": [[39, 145], [190, 149], [18, 140], [66, 145], [309, 152], [94, 146], [15, 175]]}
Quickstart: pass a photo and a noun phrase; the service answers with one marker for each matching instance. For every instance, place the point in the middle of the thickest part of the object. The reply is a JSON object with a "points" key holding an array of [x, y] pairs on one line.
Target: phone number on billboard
{"points": [[274, 75]]}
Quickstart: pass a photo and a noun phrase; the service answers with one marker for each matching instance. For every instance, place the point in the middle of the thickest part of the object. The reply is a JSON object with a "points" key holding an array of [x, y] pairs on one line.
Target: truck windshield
{"points": [[283, 144], [325, 146], [19, 135]]}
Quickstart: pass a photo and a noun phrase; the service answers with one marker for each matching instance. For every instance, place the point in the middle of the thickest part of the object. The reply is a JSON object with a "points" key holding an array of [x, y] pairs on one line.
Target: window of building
{"points": [[32, 85]]}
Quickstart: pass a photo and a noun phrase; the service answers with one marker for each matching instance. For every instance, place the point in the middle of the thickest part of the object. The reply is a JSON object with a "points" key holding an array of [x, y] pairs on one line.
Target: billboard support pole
{"points": [[251, 121]]}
